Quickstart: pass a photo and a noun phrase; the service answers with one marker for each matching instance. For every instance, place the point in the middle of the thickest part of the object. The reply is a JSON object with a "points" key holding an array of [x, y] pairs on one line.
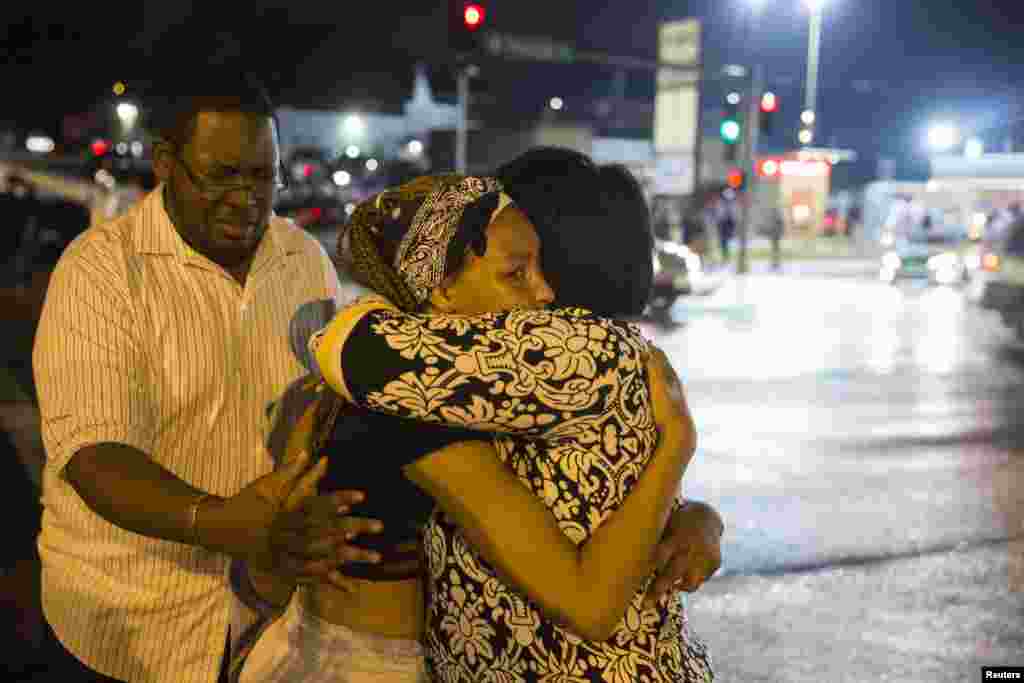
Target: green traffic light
{"points": [[730, 131]]}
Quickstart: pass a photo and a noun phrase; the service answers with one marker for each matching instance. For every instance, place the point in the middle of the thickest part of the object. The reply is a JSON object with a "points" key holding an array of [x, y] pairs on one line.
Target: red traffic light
{"points": [[768, 168], [99, 147], [473, 15], [735, 179], [769, 102]]}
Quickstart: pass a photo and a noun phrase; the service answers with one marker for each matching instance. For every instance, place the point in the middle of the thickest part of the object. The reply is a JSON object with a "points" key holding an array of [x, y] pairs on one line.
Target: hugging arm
{"points": [[517, 372], [586, 587]]}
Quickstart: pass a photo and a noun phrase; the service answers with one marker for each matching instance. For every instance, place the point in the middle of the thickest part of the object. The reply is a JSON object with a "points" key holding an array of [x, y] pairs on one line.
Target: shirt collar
{"points": [[157, 235]]}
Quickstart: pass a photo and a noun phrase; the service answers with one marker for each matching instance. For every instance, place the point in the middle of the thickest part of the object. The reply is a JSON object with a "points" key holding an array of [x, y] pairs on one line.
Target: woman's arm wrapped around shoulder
{"points": [[586, 587], [520, 371]]}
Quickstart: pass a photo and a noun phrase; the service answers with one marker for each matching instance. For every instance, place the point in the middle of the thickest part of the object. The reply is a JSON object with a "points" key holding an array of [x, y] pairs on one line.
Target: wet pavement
{"points": [[932, 618], [865, 444]]}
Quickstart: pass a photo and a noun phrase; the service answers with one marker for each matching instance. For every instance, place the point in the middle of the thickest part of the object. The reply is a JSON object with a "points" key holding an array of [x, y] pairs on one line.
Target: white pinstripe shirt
{"points": [[145, 342]]}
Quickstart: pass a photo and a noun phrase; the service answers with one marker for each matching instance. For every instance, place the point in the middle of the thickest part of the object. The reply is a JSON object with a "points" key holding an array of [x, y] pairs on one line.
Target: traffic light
{"points": [[736, 179], [730, 129], [466, 20], [769, 105], [100, 147]]}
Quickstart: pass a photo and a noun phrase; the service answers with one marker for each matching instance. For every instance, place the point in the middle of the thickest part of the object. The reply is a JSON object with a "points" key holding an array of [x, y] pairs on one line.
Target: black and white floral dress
{"points": [[566, 394]]}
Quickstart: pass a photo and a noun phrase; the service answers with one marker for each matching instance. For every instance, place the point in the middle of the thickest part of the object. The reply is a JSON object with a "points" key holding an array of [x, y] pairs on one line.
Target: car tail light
{"points": [[990, 262]]}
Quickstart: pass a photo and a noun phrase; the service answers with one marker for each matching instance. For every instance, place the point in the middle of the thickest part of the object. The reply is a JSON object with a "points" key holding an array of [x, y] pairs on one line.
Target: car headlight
{"points": [[891, 261], [946, 260], [672, 248]]}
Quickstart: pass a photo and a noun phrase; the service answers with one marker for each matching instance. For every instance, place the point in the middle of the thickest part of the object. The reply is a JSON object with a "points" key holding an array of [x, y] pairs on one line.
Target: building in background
{"points": [[369, 134], [964, 194]]}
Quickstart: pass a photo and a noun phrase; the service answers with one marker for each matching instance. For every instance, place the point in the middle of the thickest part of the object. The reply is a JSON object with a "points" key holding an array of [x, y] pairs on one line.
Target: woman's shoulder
{"points": [[621, 330]]}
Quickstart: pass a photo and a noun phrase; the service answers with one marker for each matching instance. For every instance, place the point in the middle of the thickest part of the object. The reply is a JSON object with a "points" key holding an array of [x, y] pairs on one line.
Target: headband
{"points": [[422, 254]]}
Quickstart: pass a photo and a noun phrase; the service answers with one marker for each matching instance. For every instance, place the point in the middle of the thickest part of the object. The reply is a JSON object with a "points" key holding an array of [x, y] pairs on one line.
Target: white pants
{"points": [[299, 647]]}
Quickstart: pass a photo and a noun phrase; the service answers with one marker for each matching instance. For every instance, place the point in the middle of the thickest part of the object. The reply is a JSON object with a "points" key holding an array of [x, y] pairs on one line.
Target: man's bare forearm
{"points": [[130, 490]]}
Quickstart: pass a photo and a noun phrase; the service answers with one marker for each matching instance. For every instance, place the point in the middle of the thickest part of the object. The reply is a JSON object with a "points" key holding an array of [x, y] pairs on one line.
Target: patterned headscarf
{"points": [[427, 224]]}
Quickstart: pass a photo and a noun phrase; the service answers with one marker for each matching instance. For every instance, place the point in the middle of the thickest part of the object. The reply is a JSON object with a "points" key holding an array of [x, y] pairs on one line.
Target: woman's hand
{"points": [[690, 552]]}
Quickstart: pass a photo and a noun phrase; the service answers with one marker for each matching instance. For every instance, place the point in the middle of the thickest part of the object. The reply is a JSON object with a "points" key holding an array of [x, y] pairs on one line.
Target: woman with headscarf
{"points": [[457, 245]]}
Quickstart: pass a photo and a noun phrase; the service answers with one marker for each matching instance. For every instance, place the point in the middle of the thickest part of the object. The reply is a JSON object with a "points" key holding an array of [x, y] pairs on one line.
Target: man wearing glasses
{"points": [[162, 342]]}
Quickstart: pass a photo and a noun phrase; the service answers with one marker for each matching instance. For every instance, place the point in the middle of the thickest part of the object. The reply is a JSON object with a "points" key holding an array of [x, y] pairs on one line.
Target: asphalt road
{"points": [[865, 444]]}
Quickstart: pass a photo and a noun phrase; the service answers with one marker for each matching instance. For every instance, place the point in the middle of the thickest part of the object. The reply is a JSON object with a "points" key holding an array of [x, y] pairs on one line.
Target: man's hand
{"points": [[690, 551], [294, 532]]}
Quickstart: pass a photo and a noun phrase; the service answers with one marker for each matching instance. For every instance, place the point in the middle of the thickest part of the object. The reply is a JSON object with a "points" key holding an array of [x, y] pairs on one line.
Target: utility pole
{"points": [[813, 55], [462, 124], [752, 127], [464, 72]]}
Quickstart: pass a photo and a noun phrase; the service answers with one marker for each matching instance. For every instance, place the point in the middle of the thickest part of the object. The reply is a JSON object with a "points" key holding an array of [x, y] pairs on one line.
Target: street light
{"points": [[40, 144], [813, 51], [354, 125], [974, 148], [943, 136], [128, 113]]}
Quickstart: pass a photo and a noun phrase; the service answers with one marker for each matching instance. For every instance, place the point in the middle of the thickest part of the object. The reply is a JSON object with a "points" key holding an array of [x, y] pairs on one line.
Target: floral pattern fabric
{"points": [[567, 394]]}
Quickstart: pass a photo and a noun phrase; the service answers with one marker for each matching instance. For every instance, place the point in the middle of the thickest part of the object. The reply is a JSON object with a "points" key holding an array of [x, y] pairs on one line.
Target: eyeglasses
{"points": [[261, 184]]}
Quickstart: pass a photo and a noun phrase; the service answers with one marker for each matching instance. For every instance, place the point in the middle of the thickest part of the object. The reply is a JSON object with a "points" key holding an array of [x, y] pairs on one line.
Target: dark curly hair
{"points": [[594, 226]]}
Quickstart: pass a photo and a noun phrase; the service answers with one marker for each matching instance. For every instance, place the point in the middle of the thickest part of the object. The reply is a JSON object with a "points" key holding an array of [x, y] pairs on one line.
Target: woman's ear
{"points": [[445, 297]]}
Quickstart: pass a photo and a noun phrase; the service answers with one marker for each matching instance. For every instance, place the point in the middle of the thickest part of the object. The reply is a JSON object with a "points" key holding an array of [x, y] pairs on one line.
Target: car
{"points": [[999, 283], [676, 271], [321, 215], [834, 223], [933, 256]]}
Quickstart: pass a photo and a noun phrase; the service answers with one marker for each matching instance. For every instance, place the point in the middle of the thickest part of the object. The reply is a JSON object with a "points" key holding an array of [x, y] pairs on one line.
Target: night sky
{"points": [[887, 66]]}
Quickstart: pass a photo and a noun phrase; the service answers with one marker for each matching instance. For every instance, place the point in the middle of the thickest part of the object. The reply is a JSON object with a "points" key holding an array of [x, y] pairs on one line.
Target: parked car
{"points": [[676, 269], [999, 283], [322, 215]]}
